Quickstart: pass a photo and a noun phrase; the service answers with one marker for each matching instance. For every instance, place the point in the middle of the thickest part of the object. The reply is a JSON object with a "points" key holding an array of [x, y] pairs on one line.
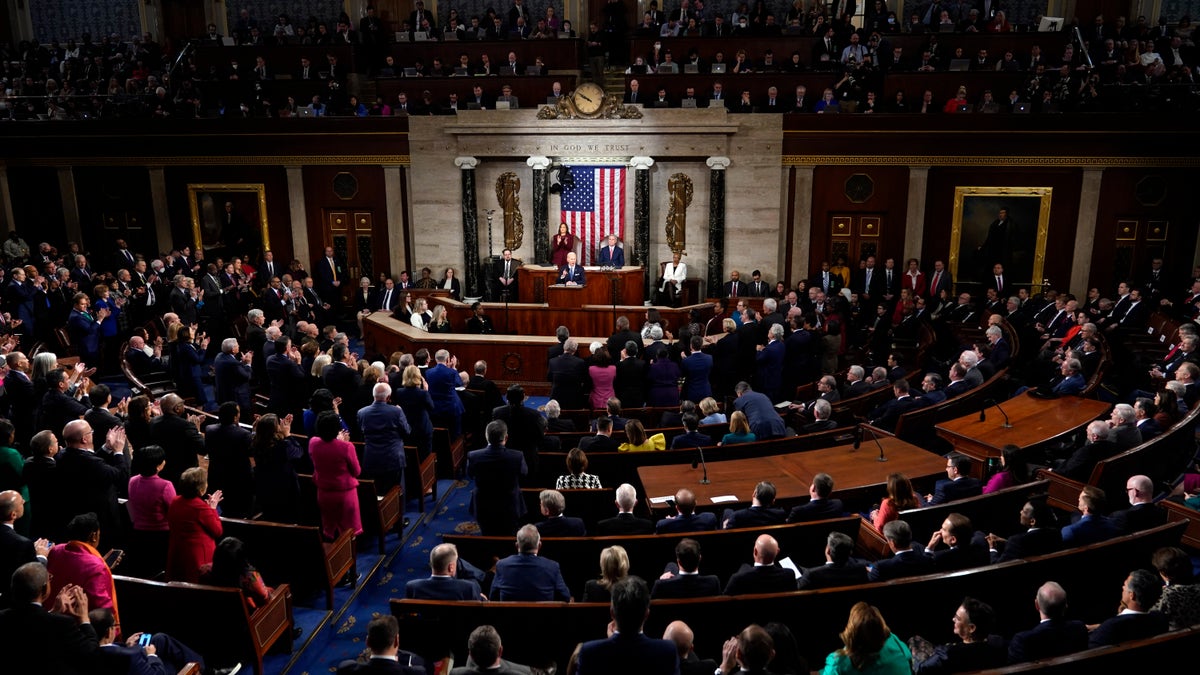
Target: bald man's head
{"points": [[1051, 600], [683, 637], [765, 549]]}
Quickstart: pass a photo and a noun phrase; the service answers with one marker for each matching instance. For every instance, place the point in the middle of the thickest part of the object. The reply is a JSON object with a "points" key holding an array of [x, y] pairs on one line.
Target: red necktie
{"points": [[733, 286]]}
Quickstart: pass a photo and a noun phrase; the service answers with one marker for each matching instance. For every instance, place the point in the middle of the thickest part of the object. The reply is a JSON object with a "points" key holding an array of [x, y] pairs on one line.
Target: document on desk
{"points": [[661, 500], [724, 499]]}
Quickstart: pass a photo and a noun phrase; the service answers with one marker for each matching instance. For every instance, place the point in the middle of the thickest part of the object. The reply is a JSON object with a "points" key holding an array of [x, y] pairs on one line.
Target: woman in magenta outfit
{"points": [[335, 473], [562, 244], [1016, 471], [150, 498], [602, 372]]}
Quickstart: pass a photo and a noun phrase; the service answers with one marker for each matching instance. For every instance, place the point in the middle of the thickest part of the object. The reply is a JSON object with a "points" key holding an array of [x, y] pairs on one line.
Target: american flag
{"points": [[595, 206]]}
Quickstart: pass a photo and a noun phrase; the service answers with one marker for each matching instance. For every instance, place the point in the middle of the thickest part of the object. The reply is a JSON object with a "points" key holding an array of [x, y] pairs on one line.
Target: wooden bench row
{"points": [[535, 632]]}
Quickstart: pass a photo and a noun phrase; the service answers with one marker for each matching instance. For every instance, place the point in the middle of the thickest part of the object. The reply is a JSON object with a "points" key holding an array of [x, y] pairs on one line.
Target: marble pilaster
{"points": [[470, 226], [1085, 230], [393, 195], [716, 221], [70, 204], [158, 202], [541, 207], [641, 217], [914, 230]]}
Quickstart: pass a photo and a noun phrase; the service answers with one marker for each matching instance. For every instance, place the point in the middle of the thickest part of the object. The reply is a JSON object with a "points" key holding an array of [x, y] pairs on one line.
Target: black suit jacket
{"points": [[907, 563], [630, 382], [755, 516], [1127, 627], [45, 642], [563, 526], [742, 289], [567, 380], [15, 551], [947, 490], [686, 586], [1030, 543], [442, 588], [379, 667], [761, 579], [599, 443], [1048, 639], [182, 442], [624, 523], [1139, 517], [832, 575], [817, 509], [91, 481]]}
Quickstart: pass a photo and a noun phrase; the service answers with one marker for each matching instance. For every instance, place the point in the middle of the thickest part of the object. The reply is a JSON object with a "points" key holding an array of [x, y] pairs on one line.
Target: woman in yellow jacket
{"points": [[637, 441]]}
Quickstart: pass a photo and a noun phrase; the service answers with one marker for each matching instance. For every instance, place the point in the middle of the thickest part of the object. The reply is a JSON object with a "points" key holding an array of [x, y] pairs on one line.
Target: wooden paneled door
{"points": [[1139, 240], [854, 236], [351, 235]]}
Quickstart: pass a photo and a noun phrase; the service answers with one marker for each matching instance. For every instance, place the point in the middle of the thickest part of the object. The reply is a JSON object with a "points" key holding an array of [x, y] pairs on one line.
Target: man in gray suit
{"points": [[484, 655]]}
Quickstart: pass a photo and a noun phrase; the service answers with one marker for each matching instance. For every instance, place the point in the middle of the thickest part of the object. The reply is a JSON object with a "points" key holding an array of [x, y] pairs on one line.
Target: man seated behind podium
{"points": [[686, 519], [571, 274], [612, 255]]}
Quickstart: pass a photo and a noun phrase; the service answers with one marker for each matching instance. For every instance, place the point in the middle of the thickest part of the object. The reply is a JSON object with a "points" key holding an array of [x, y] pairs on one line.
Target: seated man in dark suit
{"points": [[556, 524], [761, 511], [624, 522], [383, 641], [628, 645], [484, 652], [764, 576], [603, 440], [612, 255], [956, 546], [1096, 447], [131, 657], [527, 577], [682, 579], [686, 519], [1055, 635], [1140, 591], [1040, 537], [887, 415], [819, 506], [905, 561], [691, 438], [683, 637], [444, 583], [839, 569], [1142, 513], [959, 483], [1093, 526], [821, 410], [753, 651]]}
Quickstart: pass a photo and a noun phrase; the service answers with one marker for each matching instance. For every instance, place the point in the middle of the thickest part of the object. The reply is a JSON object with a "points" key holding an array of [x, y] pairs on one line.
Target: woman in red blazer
{"points": [[335, 473], [195, 527], [914, 278]]}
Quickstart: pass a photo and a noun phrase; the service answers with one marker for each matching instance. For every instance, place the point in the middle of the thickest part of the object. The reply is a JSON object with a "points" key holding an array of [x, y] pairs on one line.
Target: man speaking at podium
{"points": [[571, 274], [612, 255]]}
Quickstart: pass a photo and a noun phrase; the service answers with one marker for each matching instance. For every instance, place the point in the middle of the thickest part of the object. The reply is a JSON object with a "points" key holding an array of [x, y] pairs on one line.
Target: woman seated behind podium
{"points": [[562, 244], [739, 430], [638, 441]]}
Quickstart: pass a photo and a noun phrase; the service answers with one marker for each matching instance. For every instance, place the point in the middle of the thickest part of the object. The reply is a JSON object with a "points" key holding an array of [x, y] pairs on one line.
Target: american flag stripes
{"points": [[595, 206]]}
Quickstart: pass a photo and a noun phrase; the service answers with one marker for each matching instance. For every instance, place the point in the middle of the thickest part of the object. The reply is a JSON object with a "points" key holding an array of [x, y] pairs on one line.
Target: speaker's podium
{"points": [[604, 286]]}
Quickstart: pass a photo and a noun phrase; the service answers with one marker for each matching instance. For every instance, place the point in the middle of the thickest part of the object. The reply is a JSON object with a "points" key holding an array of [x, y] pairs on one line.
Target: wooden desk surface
{"points": [[792, 474], [1034, 421]]}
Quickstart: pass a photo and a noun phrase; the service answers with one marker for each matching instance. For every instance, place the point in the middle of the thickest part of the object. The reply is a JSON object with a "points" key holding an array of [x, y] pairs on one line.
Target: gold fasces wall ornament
{"points": [[508, 196], [589, 101], [679, 188]]}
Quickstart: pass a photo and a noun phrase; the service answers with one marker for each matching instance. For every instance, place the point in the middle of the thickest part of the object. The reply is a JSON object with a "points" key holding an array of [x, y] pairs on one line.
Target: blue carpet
{"points": [[329, 639]]}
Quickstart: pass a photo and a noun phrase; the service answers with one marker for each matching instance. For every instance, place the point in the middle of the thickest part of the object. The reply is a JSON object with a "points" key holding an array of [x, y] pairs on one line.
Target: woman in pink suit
{"points": [[195, 527], [602, 373], [335, 473], [78, 562]]}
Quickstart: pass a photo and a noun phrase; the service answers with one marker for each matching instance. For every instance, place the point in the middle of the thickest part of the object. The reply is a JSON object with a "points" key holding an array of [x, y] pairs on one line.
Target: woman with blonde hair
{"points": [[440, 324], [614, 566], [870, 647], [711, 411], [739, 430], [420, 315], [638, 441]]}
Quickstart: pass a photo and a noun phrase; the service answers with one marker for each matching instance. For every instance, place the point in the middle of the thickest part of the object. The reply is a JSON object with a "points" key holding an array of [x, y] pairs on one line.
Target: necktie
{"points": [[868, 288], [129, 257], [889, 278], [506, 268], [999, 284], [936, 277], [825, 281], [333, 266], [387, 300]]}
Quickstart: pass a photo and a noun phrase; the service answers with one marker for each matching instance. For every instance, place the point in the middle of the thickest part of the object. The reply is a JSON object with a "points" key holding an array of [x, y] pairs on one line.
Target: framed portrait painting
{"points": [[999, 226], [228, 217]]}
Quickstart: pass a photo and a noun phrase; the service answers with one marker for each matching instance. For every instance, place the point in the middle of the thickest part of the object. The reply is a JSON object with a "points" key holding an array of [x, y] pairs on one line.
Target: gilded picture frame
{"points": [[1022, 250], [206, 204]]}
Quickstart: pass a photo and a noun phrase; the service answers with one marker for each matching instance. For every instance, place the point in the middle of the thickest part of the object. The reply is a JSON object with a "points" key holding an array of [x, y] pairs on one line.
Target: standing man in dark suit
{"points": [[630, 382], [820, 506], [958, 484], [939, 280], [287, 378], [769, 364], [90, 478], [179, 435], [330, 273], [1055, 635], [42, 641], [15, 550], [682, 579], [764, 576], [762, 510], [384, 428], [624, 522], [567, 374], [526, 576], [1140, 591], [764, 421], [527, 425], [827, 281], [444, 583], [496, 501], [232, 376], [508, 276], [628, 645], [869, 284], [905, 561]]}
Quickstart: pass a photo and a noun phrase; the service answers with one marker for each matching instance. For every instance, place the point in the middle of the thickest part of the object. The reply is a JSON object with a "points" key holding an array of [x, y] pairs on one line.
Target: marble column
{"points": [[541, 208], [1085, 231], [162, 215], [802, 227], [641, 219], [298, 211], [470, 224], [70, 204], [716, 222], [7, 220], [914, 225], [393, 198]]}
